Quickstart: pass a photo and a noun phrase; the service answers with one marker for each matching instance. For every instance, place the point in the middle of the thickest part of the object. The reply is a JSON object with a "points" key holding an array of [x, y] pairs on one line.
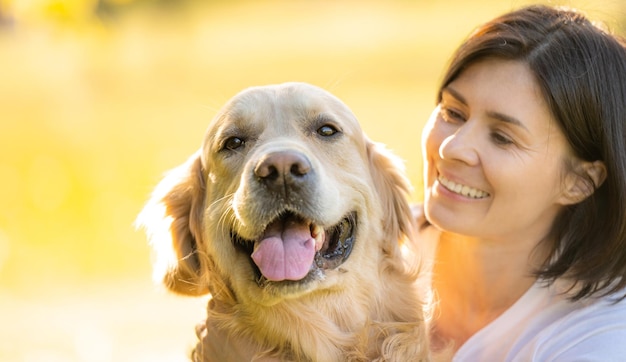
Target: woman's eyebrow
{"points": [[507, 119], [454, 94], [491, 114]]}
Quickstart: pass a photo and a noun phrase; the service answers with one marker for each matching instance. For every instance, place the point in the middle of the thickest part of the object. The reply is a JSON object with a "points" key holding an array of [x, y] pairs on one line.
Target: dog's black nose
{"points": [[280, 170]]}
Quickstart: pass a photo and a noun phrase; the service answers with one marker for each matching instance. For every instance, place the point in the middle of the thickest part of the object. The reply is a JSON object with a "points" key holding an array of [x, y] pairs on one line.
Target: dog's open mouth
{"points": [[292, 247]]}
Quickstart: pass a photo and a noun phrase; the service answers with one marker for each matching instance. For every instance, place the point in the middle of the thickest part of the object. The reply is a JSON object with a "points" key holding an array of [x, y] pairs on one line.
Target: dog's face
{"points": [[286, 197]]}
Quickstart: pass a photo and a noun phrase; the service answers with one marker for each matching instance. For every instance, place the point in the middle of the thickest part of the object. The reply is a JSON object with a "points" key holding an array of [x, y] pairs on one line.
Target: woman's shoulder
{"points": [[544, 325], [594, 315], [593, 329]]}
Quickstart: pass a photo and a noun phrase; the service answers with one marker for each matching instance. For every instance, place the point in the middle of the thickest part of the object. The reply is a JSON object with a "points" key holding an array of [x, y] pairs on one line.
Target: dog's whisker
{"points": [[223, 225], [220, 202], [225, 211]]}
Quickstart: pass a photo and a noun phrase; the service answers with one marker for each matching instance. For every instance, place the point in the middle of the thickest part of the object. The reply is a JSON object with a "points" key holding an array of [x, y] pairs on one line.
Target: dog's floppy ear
{"points": [[393, 188], [172, 220]]}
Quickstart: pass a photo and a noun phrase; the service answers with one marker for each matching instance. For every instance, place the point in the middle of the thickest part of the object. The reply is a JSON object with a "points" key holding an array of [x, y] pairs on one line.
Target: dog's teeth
{"points": [[318, 234]]}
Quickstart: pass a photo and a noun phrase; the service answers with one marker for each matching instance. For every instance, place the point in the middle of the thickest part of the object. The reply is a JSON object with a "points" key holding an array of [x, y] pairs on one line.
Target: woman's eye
{"points": [[326, 130], [450, 115], [233, 143], [500, 139]]}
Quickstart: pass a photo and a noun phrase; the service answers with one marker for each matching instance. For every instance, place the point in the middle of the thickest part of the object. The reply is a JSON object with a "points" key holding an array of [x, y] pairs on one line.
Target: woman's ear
{"points": [[583, 181], [172, 221]]}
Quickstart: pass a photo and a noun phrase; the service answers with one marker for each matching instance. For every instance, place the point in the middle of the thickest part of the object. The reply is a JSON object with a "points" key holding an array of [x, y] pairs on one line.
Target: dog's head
{"points": [[286, 196]]}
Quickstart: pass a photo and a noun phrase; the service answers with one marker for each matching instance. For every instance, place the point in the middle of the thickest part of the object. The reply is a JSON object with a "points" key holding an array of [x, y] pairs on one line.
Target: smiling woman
{"points": [[530, 112], [493, 121]]}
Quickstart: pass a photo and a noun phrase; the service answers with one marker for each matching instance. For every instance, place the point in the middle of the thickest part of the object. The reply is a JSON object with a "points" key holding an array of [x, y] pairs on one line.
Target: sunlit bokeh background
{"points": [[99, 98]]}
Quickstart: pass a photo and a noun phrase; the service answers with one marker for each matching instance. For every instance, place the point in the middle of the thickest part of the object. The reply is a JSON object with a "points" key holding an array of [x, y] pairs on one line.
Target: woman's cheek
{"points": [[428, 127], [430, 135]]}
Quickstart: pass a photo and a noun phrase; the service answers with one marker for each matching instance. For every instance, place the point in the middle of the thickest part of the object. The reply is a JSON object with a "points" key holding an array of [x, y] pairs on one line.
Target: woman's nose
{"points": [[461, 146]]}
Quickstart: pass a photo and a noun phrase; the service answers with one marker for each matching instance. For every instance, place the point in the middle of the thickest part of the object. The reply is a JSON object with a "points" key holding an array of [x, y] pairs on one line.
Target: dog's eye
{"points": [[233, 143], [326, 130]]}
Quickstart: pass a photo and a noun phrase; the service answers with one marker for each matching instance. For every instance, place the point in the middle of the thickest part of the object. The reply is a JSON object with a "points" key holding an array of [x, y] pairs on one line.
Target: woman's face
{"points": [[494, 156]]}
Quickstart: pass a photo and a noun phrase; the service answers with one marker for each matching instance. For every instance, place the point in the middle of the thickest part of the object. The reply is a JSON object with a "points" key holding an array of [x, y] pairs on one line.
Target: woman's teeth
{"points": [[462, 189]]}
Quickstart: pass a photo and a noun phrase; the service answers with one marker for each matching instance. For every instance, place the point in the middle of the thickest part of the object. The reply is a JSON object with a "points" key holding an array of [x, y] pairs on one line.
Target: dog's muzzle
{"points": [[295, 249]]}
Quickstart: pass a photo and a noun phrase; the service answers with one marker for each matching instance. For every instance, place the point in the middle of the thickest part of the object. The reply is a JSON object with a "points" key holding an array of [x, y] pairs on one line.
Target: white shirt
{"points": [[543, 325]]}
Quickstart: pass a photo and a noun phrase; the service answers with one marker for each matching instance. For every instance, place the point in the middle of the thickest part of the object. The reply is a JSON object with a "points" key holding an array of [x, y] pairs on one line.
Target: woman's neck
{"points": [[476, 281]]}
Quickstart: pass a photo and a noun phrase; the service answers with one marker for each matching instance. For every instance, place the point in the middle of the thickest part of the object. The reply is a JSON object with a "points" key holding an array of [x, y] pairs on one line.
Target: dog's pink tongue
{"points": [[286, 251]]}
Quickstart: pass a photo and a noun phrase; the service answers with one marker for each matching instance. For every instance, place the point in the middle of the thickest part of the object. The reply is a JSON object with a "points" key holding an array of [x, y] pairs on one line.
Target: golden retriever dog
{"points": [[295, 223]]}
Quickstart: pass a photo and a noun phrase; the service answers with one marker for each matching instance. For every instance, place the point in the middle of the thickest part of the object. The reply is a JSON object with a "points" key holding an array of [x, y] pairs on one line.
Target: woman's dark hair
{"points": [[581, 70]]}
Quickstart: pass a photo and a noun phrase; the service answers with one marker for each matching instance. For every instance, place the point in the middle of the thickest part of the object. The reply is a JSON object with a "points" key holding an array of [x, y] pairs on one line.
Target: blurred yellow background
{"points": [[99, 98]]}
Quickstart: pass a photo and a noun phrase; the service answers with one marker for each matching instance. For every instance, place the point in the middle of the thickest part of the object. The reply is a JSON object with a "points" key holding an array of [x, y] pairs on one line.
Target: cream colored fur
{"points": [[368, 308]]}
